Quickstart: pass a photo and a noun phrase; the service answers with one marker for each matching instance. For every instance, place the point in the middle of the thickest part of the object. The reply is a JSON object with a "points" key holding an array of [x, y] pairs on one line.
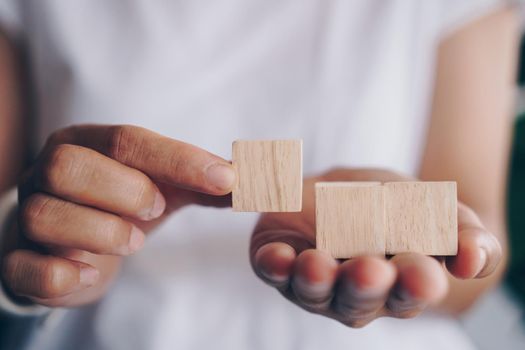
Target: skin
{"points": [[95, 192], [12, 145], [359, 290], [471, 129], [90, 198]]}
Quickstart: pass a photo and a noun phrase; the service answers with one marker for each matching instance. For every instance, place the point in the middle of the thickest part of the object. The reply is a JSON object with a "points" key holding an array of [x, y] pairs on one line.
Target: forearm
{"points": [[470, 131], [11, 116]]}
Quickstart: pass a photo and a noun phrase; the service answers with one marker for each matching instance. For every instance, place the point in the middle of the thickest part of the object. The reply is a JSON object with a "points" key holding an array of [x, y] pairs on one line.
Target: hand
{"points": [[359, 290], [90, 198]]}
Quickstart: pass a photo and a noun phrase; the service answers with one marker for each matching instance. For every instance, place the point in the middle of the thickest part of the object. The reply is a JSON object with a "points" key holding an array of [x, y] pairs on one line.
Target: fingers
{"points": [[362, 289], [314, 277], [86, 177], [161, 158], [52, 221], [273, 254], [358, 290], [311, 275], [34, 275], [479, 251], [421, 281], [177, 198], [273, 263]]}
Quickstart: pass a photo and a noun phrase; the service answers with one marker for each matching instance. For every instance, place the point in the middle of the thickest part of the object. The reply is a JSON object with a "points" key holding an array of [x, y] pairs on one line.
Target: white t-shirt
{"points": [[353, 79]]}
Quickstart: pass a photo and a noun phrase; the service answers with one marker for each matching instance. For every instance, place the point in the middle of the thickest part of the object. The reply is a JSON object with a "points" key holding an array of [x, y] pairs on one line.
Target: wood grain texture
{"points": [[350, 218], [421, 217], [269, 176]]}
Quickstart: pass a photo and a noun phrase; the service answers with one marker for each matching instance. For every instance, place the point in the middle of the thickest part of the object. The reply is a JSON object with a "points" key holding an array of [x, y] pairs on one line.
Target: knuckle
{"points": [[121, 142], [35, 208], [63, 164], [143, 191], [10, 266], [52, 280], [18, 272], [115, 234], [25, 276], [180, 164]]}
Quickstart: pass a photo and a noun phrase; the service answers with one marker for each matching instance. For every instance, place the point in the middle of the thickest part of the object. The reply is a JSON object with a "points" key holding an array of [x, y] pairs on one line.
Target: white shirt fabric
{"points": [[353, 79]]}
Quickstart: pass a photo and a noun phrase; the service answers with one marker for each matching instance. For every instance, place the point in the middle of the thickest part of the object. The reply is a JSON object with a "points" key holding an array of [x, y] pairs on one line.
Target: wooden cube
{"points": [[269, 176], [421, 217], [350, 218]]}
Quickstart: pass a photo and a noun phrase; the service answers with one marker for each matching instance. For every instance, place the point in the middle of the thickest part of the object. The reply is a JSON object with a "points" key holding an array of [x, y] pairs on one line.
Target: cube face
{"points": [[269, 176], [350, 218], [421, 217]]}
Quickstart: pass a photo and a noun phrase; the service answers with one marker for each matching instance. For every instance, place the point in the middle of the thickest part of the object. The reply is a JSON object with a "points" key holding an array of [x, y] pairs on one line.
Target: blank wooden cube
{"points": [[269, 176], [421, 217], [350, 218]]}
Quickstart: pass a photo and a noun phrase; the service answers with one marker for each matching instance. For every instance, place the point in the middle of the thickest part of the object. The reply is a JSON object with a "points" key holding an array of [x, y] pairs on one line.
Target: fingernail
{"points": [[313, 291], [88, 276], [482, 261], [221, 176], [159, 205], [136, 239]]}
